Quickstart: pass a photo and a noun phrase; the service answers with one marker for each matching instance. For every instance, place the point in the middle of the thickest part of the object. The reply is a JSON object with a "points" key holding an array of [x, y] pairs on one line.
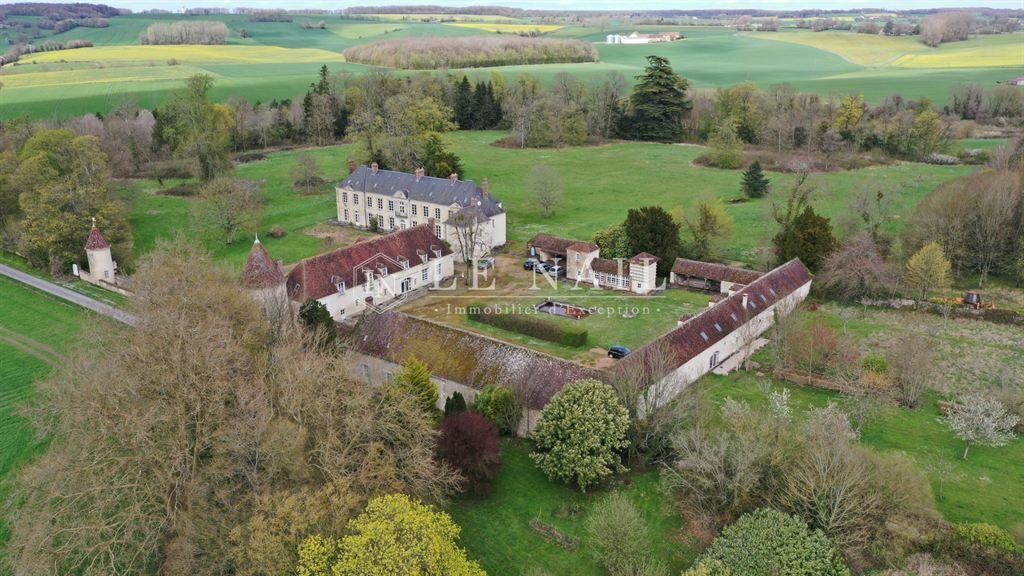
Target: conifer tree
{"points": [[755, 184], [659, 102]]}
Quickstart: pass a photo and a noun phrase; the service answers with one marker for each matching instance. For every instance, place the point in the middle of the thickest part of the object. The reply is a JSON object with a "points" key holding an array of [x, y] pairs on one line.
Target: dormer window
{"points": [[704, 336]]}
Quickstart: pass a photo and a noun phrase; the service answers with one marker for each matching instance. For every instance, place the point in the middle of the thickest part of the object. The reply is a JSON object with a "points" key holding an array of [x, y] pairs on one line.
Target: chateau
{"points": [[394, 201]]}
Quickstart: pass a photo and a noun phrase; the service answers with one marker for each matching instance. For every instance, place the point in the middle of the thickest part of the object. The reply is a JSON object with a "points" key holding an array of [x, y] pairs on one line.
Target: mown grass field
{"points": [[280, 58], [601, 184], [496, 532], [35, 331]]}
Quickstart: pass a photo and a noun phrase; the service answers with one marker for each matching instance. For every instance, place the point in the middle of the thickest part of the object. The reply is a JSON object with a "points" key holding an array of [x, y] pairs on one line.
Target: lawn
{"points": [[35, 330], [517, 290], [80, 286], [601, 184], [495, 528], [987, 487]]}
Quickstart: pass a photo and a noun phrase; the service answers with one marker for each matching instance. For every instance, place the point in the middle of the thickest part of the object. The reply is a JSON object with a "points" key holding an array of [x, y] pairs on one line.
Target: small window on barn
{"points": [[718, 327], [733, 316], [704, 336], [763, 299], [714, 360], [753, 305], [772, 290]]}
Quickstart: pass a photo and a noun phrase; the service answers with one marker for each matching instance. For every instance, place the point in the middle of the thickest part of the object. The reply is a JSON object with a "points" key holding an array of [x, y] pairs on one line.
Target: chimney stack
{"points": [[744, 301], [453, 177], [485, 185], [374, 167], [351, 166], [419, 173]]}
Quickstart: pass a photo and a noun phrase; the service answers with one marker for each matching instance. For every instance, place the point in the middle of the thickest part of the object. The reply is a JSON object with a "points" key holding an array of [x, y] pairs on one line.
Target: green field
{"points": [[35, 331], [495, 529], [601, 184], [280, 58]]}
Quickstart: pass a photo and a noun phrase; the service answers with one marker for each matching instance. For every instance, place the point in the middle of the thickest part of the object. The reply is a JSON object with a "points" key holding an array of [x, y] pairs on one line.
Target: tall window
{"points": [[714, 359], [414, 210], [380, 203], [437, 214], [391, 223], [391, 205], [380, 221], [344, 197], [355, 198], [426, 210], [356, 219], [369, 201], [426, 274], [437, 230], [346, 215]]}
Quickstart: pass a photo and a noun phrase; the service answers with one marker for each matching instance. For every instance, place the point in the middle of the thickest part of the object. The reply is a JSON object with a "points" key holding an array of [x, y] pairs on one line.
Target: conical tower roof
{"points": [[260, 270], [96, 240]]}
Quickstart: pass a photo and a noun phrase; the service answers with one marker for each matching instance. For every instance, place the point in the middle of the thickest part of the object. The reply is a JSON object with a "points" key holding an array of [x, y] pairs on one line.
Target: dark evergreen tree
{"points": [[653, 230], [438, 161], [464, 104], [493, 117], [480, 111], [659, 103], [755, 184], [808, 237], [315, 317], [454, 403]]}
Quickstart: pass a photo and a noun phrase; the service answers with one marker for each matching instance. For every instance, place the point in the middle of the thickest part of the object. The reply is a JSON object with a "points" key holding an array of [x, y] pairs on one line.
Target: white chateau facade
{"points": [[395, 201]]}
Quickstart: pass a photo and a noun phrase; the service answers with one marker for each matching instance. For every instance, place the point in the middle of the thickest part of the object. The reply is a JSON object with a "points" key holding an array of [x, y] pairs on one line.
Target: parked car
{"points": [[555, 270], [530, 264], [618, 352], [485, 263]]}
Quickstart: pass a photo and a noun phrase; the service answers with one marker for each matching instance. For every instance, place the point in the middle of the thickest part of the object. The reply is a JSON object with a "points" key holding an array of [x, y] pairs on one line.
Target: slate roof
{"points": [[260, 270], [471, 359], [96, 240], [316, 277], [707, 328], [428, 189], [713, 271]]}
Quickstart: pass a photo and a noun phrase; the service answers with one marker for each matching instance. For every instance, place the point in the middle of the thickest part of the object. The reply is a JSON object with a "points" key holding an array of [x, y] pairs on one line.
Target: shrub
{"points": [[498, 404], [618, 536], [414, 380], [454, 403], [770, 542], [277, 231], [986, 535], [579, 433], [470, 443], [317, 319], [875, 363], [530, 325], [986, 548]]}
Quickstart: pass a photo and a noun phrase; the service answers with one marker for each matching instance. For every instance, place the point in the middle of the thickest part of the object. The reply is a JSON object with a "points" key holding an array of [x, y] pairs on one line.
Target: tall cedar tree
{"points": [[659, 103], [653, 230], [315, 317], [470, 443], [755, 184], [464, 104], [809, 237]]}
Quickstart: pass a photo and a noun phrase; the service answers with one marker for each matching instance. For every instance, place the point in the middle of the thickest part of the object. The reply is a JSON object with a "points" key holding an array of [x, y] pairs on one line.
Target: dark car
{"points": [[618, 352], [530, 264]]}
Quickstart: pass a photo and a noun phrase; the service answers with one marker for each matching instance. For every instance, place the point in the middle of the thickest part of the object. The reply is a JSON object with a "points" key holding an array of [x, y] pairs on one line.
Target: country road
{"points": [[69, 295]]}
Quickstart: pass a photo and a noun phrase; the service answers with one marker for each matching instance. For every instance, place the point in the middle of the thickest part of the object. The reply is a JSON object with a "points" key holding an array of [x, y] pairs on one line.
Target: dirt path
{"points": [[31, 347]]}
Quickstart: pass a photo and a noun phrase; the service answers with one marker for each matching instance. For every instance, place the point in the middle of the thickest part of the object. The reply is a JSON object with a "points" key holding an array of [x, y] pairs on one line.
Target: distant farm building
{"points": [[583, 264], [1018, 81], [638, 38]]}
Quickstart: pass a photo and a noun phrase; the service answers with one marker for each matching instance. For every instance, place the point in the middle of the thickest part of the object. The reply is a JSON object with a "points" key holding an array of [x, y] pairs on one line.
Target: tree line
{"points": [[470, 52], [185, 32]]}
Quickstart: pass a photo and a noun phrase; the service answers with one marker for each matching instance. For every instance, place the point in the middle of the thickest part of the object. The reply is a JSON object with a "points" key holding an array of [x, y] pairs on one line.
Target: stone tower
{"points": [[265, 280], [101, 264]]}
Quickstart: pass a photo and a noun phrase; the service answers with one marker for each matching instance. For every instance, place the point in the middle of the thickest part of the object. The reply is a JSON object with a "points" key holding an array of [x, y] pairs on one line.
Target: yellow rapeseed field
{"points": [[190, 54], [456, 17], [908, 51], [506, 28], [64, 78]]}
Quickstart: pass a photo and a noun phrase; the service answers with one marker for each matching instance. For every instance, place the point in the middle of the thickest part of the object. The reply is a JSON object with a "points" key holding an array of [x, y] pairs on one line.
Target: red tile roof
{"points": [[707, 328], [581, 246], [644, 258], [96, 240], [549, 243], [608, 266], [714, 271], [260, 270], [318, 276]]}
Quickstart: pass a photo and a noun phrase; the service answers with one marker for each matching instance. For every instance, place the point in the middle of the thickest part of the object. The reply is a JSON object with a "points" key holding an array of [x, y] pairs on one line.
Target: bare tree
{"points": [[912, 365], [471, 233], [306, 173], [546, 185], [858, 270], [979, 419], [229, 206], [989, 229]]}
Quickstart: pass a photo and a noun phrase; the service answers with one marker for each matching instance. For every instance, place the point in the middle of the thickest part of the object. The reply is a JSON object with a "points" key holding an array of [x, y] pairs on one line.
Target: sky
{"points": [[569, 4]]}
